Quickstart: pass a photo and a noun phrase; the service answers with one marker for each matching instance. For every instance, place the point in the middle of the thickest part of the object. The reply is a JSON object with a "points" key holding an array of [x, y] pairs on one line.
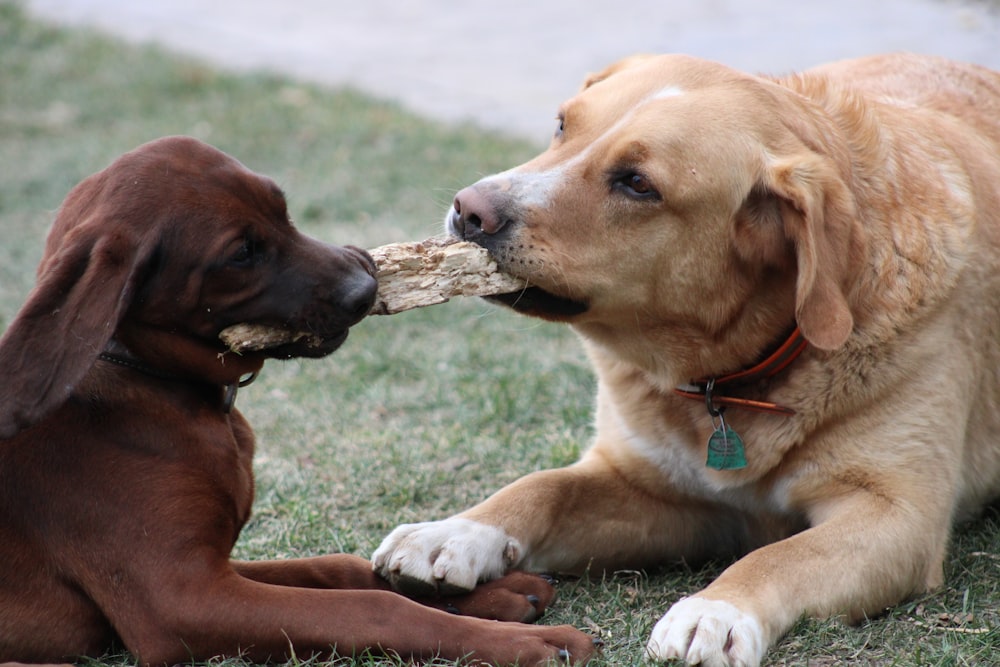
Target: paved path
{"points": [[507, 65]]}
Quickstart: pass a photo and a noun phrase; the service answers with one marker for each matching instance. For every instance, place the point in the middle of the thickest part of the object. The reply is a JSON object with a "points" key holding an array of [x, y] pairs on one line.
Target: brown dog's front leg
{"points": [[232, 615], [334, 571], [516, 597]]}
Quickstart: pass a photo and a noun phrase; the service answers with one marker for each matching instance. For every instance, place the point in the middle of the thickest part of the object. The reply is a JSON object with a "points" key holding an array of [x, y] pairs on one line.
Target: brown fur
{"points": [[124, 487], [859, 201]]}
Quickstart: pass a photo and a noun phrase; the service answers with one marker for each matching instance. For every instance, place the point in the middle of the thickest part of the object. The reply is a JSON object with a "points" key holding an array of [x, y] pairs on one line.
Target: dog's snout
{"points": [[357, 292], [364, 259], [475, 213], [358, 296]]}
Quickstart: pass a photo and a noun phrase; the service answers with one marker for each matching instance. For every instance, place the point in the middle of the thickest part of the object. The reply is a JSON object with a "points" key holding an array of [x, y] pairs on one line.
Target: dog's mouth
{"points": [[532, 300], [310, 346], [537, 302], [279, 341]]}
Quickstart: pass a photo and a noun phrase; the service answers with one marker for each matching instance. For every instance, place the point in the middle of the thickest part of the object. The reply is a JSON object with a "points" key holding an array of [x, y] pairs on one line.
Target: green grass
{"points": [[420, 414]]}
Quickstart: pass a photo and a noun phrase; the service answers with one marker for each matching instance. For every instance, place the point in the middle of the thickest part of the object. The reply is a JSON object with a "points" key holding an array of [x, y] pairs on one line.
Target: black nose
{"points": [[476, 214], [356, 295], [356, 292]]}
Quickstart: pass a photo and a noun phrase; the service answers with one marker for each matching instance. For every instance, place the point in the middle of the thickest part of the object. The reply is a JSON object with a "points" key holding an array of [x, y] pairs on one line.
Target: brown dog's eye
{"points": [[245, 255]]}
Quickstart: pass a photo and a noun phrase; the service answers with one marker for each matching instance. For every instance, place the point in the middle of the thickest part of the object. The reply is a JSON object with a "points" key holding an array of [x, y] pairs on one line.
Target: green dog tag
{"points": [[725, 450]]}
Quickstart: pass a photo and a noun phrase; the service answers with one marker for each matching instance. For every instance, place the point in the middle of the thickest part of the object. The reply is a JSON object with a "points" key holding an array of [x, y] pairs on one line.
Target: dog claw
{"points": [[533, 599], [444, 588], [597, 642], [412, 586]]}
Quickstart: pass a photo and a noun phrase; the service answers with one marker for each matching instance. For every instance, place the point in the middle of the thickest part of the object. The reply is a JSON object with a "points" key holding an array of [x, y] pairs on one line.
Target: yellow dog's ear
{"points": [[819, 216], [613, 68]]}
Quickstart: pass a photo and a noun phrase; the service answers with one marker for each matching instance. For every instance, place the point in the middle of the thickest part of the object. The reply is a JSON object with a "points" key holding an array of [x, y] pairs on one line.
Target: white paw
{"points": [[711, 633], [444, 556]]}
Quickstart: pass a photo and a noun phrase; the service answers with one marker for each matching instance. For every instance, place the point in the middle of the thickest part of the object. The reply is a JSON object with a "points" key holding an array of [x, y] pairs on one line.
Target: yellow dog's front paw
{"points": [[447, 557], [711, 633]]}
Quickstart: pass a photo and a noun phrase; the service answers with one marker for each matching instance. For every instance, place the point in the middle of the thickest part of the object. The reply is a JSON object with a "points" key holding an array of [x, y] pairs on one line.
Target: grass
{"points": [[421, 414]]}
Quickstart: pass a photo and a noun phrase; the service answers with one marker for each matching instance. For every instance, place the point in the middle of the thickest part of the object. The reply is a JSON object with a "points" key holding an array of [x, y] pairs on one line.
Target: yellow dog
{"points": [[790, 292]]}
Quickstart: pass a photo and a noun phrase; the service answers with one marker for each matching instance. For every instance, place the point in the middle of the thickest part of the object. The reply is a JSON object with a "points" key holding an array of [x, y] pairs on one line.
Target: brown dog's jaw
{"points": [[312, 347]]}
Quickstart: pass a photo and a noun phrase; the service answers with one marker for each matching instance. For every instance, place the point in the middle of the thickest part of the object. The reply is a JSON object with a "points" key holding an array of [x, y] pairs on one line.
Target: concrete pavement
{"points": [[508, 65]]}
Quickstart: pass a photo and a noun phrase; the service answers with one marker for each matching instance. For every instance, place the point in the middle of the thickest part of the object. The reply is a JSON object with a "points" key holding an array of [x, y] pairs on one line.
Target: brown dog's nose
{"points": [[476, 213], [358, 295], [358, 290]]}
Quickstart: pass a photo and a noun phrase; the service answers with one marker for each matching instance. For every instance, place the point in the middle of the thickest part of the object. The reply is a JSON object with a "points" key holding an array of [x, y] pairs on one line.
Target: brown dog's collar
{"points": [[116, 353], [708, 389]]}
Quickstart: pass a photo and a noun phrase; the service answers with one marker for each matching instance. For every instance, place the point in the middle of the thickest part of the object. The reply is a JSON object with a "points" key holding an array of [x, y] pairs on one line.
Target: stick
{"points": [[410, 275]]}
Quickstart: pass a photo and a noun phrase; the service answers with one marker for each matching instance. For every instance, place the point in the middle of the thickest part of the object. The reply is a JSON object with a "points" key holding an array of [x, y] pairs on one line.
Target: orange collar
{"points": [[706, 388]]}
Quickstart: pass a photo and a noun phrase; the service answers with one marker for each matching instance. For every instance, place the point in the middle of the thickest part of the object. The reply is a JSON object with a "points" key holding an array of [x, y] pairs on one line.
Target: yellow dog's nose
{"points": [[476, 213]]}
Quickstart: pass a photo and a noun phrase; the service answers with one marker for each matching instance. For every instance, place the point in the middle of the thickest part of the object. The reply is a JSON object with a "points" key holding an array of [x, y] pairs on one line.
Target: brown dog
{"points": [[690, 221], [125, 476]]}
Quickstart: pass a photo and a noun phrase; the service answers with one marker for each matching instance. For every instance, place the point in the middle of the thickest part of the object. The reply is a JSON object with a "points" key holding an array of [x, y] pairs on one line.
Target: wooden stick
{"points": [[410, 275]]}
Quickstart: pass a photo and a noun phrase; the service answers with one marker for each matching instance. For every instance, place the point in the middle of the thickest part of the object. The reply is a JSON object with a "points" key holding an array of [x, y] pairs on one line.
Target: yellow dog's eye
{"points": [[639, 184], [634, 185], [559, 128]]}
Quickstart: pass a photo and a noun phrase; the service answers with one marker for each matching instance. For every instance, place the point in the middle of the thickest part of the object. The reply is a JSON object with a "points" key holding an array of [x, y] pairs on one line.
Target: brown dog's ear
{"points": [[819, 217], [85, 285]]}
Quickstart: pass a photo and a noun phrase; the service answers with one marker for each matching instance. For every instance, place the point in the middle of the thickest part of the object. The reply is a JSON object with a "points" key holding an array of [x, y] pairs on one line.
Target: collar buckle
{"points": [[230, 390], [707, 388]]}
